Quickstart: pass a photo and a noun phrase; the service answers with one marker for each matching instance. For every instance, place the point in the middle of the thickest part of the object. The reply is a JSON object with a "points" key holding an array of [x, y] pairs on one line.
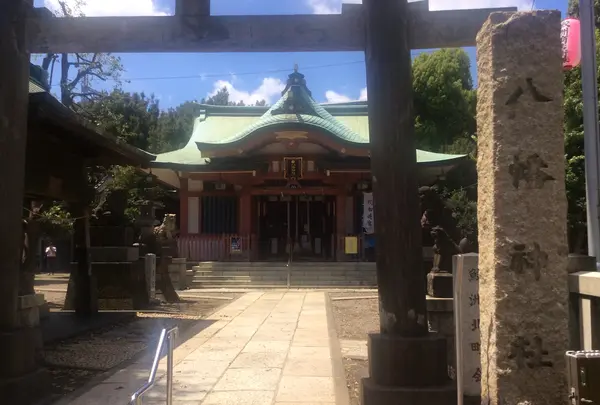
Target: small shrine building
{"points": [[289, 181]]}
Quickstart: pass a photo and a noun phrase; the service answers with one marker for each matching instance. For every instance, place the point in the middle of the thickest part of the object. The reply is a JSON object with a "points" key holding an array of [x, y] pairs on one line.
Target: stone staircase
{"points": [[276, 275]]}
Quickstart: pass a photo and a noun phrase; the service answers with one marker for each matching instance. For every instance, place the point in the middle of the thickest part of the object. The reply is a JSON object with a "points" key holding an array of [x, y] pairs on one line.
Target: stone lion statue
{"points": [[168, 229]]}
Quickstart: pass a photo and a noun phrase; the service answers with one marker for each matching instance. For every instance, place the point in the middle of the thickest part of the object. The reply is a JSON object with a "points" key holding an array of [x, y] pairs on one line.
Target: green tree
{"points": [[574, 144], [81, 72], [174, 127], [573, 10], [131, 117], [444, 100]]}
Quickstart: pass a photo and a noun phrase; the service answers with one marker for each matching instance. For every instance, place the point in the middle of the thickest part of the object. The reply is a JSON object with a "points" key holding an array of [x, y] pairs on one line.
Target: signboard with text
{"points": [[292, 168], [466, 317], [236, 244], [368, 213]]}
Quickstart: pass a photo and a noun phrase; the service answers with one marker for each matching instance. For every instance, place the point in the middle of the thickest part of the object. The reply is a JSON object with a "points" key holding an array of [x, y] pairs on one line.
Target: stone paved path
{"points": [[268, 348]]}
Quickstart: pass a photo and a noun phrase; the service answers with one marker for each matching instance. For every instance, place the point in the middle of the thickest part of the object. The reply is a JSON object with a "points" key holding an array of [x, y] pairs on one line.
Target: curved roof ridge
{"points": [[297, 106]]}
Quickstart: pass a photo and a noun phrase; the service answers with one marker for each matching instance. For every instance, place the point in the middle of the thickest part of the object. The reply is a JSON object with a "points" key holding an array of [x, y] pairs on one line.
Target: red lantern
{"points": [[570, 36]]}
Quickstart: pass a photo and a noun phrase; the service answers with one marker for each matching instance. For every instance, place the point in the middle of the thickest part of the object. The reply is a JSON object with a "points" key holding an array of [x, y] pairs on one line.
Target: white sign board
{"points": [[150, 268], [466, 318], [368, 213]]}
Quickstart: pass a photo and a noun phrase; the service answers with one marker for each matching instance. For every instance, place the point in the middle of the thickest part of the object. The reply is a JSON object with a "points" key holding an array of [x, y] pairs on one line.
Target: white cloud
{"points": [[334, 97], [269, 89], [335, 6], [101, 8], [363, 95]]}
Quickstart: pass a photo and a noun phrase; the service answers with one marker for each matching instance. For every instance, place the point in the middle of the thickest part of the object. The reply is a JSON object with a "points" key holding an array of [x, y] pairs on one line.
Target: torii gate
{"points": [[386, 29]]}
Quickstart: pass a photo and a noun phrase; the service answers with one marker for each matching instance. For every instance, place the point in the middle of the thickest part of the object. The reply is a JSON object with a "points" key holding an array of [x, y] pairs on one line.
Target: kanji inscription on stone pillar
{"points": [[522, 209]]}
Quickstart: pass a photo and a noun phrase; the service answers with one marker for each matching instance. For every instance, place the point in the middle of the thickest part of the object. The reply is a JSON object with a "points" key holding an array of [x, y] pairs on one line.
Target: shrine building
{"points": [[272, 183]]}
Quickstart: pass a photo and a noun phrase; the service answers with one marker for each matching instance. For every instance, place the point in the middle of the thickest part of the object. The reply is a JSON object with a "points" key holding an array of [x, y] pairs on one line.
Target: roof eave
{"points": [[52, 109]]}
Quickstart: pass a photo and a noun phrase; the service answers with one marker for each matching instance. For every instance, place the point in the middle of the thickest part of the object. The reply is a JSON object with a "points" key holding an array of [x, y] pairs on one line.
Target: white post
{"points": [[590, 123], [466, 319]]}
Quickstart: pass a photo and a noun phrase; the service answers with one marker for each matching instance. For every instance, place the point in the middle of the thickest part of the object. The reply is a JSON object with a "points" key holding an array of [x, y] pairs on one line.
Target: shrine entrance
{"points": [[296, 227]]}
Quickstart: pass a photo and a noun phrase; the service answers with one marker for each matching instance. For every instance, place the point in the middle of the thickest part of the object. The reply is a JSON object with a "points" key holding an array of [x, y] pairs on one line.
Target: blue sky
{"points": [[175, 78]]}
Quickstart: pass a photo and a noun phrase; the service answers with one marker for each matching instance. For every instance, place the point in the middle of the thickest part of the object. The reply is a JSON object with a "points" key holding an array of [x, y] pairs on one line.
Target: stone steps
{"points": [[304, 275], [339, 274], [346, 266]]}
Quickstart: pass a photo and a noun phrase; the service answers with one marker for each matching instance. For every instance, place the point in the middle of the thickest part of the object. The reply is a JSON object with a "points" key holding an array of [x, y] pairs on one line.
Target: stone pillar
{"points": [[522, 210]]}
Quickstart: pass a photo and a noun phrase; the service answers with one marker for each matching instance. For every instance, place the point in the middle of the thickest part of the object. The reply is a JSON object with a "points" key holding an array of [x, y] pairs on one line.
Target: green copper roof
{"points": [[219, 126], [295, 107]]}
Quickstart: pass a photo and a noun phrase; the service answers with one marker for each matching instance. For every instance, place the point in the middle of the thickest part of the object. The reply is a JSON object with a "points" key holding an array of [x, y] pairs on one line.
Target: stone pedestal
{"points": [[21, 380], [118, 279], [177, 272], [29, 317], [43, 306], [406, 371], [522, 210], [440, 319], [439, 285]]}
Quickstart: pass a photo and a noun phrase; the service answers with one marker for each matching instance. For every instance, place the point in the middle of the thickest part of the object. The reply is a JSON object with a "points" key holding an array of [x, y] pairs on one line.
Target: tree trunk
{"points": [[393, 164], [28, 266], [65, 93]]}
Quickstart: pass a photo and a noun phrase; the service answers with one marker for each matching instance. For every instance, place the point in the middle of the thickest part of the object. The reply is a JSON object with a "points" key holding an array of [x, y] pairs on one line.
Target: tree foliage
{"points": [[131, 117], [80, 73], [174, 127], [573, 10], [444, 100], [574, 144]]}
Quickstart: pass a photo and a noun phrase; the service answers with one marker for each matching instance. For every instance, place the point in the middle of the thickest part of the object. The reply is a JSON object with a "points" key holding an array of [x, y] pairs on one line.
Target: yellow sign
{"points": [[351, 245]]}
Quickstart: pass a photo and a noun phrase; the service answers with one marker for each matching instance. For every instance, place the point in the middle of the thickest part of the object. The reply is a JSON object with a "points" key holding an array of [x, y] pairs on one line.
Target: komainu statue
{"points": [[435, 213], [168, 229], [164, 246], [443, 250]]}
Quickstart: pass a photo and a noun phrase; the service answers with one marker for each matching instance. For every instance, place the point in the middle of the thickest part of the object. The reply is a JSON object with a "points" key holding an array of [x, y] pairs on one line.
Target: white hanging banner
{"points": [[368, 213]]}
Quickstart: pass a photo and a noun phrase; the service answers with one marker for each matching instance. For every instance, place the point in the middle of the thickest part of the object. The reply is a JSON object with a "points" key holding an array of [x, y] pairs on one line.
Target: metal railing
{"points": [[169, 335]]}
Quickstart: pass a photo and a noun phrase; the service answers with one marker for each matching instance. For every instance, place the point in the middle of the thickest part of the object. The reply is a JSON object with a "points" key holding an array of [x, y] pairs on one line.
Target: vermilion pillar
{"points": [[245, 214], [183, 206]]}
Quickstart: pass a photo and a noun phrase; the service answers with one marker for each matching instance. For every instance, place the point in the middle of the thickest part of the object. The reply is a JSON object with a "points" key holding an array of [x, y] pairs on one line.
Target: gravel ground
{"points": [[354, 319], [73, 363]]}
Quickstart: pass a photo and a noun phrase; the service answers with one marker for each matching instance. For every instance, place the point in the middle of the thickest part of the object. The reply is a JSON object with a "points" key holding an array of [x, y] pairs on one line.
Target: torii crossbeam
{"points": [[193, 29]]}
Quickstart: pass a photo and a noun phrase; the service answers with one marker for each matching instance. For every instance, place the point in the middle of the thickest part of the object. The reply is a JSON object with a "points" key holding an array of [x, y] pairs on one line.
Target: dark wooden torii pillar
{"points": [[19, 376], [407, 364]]}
